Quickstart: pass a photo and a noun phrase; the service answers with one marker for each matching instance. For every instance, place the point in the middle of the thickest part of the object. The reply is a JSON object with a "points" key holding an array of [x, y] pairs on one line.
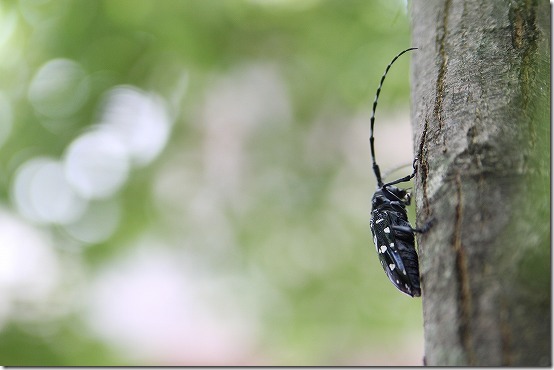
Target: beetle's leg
{"points": [[405, 178], [409, 229], [426, 227]]}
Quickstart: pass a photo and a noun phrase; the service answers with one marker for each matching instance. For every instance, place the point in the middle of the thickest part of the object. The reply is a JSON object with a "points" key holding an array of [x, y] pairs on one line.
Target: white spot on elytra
{"points": [[391, 245], [404, 272], [392, 266], [383, 248], [379, 220], [387, 230]]}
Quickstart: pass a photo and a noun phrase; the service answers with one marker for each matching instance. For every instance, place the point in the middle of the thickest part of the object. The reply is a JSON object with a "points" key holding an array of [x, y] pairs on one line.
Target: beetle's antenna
{"points": [[372, 121]]}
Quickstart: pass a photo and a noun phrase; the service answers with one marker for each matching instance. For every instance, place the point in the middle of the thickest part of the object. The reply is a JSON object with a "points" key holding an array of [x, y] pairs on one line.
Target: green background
{"points": [[243, 237]]}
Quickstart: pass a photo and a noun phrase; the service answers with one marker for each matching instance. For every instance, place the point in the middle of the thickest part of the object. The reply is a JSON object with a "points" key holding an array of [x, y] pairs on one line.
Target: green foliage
{"points": [[260, 195]]}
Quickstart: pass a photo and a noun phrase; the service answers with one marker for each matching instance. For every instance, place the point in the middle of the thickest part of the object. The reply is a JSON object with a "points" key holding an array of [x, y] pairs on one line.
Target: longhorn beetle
{"points": [[392, 233]]}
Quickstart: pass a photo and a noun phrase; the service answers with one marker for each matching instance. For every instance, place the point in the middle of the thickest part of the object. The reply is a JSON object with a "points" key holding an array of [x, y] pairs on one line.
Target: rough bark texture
{"points": [[481, 111]]}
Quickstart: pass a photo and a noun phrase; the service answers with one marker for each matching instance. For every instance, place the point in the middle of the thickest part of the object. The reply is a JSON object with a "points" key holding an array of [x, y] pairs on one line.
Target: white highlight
{"points": [[98, 223], [138, 120], [29, 271], [59, 88], [152, 303], [41, 193], [96, 165]]}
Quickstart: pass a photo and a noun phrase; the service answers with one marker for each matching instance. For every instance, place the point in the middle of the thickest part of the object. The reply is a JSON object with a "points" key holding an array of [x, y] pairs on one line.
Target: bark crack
{"points": [[464, 292], [440, 83], [424, 165], [506, 335]]}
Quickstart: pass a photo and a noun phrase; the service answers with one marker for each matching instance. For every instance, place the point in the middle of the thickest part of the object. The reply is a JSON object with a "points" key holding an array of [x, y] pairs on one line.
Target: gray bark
{"points": [[481, 116]]}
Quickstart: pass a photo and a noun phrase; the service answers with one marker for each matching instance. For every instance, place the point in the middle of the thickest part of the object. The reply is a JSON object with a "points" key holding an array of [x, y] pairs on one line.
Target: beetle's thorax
{"points": [[383, 197]]}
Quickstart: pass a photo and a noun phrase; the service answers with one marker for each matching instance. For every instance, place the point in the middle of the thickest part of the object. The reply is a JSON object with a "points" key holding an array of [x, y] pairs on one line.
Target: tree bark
{"points": [[481, 116]]}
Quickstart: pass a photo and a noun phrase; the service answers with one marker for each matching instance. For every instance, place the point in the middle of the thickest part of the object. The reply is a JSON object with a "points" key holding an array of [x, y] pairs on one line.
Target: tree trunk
{"points": [[481, 115]]}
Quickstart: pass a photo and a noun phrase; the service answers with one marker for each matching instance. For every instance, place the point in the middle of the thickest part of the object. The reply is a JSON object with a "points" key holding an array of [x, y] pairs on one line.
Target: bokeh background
{"points": [[188, 182]]}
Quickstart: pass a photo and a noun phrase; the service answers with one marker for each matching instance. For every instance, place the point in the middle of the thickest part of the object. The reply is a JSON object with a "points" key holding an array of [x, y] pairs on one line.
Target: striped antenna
{"points": [[371, 138]]}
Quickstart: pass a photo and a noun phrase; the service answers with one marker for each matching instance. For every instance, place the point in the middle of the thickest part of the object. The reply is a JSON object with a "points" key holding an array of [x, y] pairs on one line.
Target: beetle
{"points": [[392, 233]]}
